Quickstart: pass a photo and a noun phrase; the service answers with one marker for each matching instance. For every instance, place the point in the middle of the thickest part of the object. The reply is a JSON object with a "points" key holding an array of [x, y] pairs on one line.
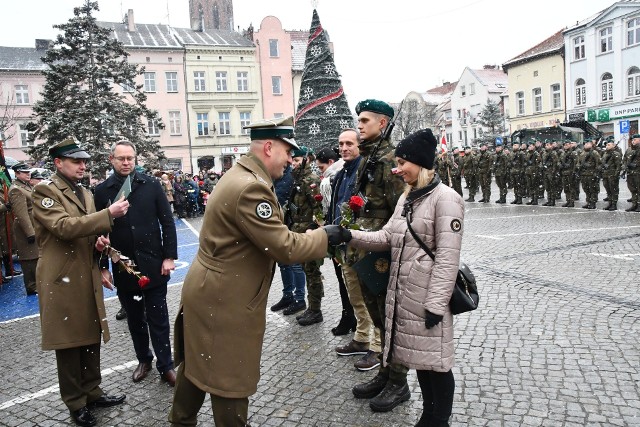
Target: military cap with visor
{"points": [[68, 148], [21, 167], [36, 175], [375, 106], [281, 128]]}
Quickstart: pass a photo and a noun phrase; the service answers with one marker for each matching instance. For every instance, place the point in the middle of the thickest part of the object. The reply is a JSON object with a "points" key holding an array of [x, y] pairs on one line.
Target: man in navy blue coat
{"points": [[146, 235]]}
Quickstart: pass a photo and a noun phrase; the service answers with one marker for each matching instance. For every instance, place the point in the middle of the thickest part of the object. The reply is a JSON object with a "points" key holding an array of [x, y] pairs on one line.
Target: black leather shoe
{"points": [[141, 371], [106, 401], [310, 317], [83, 417], [295, 307], [371, 388], [121, 314], [347, 324], [282, 304], [392, 395]]}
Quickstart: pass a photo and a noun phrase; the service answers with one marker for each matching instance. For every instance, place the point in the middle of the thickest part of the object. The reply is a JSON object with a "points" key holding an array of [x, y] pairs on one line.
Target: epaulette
{"points": [[45, 182], [261, 179]]}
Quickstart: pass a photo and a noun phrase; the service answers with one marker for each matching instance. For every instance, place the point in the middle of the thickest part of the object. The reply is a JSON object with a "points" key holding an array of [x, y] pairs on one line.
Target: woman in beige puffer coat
{"points": [[418, 317]]}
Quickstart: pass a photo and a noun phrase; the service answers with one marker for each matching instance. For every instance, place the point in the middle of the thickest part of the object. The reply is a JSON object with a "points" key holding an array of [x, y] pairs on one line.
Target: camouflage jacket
{"points": [[551, 163], [518, 162], [631, 161], [442, 168], [611, 163], [501, 164], [533, 162], [485, 162], [470, 165], [589, 163], [302, 203], [568, 161], [456, 165]]}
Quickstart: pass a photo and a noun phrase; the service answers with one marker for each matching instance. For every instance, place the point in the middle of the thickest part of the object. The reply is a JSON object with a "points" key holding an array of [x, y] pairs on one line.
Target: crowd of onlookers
{"points": [[188, 193]]}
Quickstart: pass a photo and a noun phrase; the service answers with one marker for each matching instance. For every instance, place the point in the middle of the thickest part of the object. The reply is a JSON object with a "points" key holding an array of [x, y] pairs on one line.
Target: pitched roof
{"points": [[21, 58], [151, 36], [593, 18], [229, 38], [549, 46], [494, 80], [299, 40]]}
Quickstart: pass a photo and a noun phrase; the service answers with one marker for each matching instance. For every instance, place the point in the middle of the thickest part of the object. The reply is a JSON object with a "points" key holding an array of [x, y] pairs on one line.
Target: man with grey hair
{"points": [[146, 235]]}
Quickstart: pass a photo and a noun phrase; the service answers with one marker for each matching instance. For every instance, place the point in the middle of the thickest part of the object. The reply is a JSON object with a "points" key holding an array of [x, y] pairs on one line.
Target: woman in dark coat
{"points": [[179, 196]]}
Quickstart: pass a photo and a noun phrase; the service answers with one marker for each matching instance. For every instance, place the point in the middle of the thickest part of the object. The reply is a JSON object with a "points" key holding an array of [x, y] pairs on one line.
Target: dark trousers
{"points": [[437, 394], [347, 308], [456, 182], [29, 274], [147, 316], [612, 187], [79, 375], [188, 399], [375, 306], [501, 182]]}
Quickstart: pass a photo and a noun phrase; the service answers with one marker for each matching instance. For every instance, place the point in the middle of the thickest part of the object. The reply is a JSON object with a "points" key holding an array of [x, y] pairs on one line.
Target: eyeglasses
{"points": [[122, 159]]}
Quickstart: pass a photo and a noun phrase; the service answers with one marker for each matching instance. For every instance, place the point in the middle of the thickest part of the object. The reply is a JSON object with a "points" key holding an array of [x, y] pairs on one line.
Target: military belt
{"points": [[376, 213]]}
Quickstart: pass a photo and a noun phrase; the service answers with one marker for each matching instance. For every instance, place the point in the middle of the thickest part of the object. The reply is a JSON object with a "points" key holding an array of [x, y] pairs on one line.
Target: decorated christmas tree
{"points": [[322, 109]]}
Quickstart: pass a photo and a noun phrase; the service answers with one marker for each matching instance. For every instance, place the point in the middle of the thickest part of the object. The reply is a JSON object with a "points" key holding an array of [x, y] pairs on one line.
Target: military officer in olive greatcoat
{"points": [[221, 319], [72, 313]]}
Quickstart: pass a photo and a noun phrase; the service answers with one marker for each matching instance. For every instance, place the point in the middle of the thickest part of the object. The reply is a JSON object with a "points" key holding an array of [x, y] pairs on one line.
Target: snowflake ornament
{"points": [[331, 109], [330, 69], [316, 50], [344, 124], [308, 92], [314, 129]]}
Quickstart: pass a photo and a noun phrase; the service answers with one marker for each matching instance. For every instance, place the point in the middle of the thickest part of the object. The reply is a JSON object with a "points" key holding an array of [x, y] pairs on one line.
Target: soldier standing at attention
{"points": [[532, 166], [72, 315], [568, 160], [470, 172], [443, 165], [611, 165], [500, 166], [589, 167], [517, 173], [576, 175], [551, 164], [485, 162], [220, 325], [456, 170], [631, 168], [24, 234]]}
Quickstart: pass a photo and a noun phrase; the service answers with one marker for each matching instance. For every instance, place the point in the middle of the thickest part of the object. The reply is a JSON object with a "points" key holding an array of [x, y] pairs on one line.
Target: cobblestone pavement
{"points": [[555, 342]]}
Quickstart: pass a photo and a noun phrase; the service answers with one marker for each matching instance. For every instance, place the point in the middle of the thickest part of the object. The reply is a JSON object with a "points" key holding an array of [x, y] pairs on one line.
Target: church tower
{"points": [[211, 15]]}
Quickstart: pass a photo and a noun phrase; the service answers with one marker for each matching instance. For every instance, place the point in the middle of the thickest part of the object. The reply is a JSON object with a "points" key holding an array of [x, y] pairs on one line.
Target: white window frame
{"points": [[578, 48], [202, 121], [149, 81], [520, 103], [221, 81], [243, 81], [460, 136], [633, 82], [472, 88], [224, 123], [606, 87], [580, 92], [175, 123], [556, 96], [276, 85], [22, 94], [633, 31], [172, 81], [606, 39], [199, 81], [463, 90], [152, 128], [536, 94], [274, 48], [25, 135], [245, 119]]}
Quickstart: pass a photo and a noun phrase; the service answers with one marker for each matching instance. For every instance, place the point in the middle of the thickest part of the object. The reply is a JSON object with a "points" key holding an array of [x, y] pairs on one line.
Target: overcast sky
{"points": [[383, 48]]}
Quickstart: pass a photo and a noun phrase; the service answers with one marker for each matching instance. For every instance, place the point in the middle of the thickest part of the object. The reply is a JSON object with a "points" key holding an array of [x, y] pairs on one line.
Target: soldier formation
{"points": [[536, 170]]}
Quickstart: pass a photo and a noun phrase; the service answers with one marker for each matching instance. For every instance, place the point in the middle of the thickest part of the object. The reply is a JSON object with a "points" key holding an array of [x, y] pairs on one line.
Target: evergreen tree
{"points": [[322, 110], [492, 119], [90, 94]]}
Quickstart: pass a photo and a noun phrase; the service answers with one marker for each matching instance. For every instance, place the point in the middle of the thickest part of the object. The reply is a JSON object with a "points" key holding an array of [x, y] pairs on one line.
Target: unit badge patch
{"points": [[47, 202], [456, 225], [264, 210]]}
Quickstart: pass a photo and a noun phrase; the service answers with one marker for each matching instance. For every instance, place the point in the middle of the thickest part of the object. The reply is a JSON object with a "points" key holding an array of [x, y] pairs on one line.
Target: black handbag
{"points": [[465, 295]]}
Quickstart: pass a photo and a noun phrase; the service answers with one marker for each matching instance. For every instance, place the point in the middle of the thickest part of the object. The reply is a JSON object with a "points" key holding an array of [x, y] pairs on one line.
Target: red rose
{"points": [[318, 197], [143, 281], [356, 203]]}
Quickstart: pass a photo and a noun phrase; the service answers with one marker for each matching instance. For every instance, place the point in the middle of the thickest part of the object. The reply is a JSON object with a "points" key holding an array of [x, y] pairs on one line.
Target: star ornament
{"points": [[316, 50], [331, 109], [314, 129]]}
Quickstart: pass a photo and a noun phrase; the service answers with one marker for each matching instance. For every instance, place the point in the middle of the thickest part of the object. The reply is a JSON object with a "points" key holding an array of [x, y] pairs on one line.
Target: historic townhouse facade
{"points": [[603, 70]]}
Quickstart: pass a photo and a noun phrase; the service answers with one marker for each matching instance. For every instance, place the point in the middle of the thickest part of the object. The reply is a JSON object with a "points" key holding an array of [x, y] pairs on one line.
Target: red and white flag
{"points": [[443, 144]]}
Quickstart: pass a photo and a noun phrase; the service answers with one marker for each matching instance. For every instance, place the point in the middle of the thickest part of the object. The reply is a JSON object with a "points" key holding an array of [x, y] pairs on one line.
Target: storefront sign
{"points": [[621, 112], [575, 117], [235, 150]]}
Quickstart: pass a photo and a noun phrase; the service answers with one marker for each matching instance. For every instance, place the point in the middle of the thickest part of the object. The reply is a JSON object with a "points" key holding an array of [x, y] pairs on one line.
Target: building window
{"points": [[149, 82], [276, 87], [243, 81], [581, 92], [463, 90], [25, 136], [460, 135], [472, 88], [245, 119], [225, 123], [221, 81], [606, 44], [520, 103], [556, 99], [278, 115], [175, 125], [633, 31], [578, 48], [152, 127], [203, 123], [22, 94], [606, 87], [273, 48], [633, 81], [537, 100], [172, 81], [198, 81], [465, 137]]}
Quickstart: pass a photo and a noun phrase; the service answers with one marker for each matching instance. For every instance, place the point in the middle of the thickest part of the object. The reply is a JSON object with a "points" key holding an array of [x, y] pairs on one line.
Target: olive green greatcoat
{"points": [[221, 320], [21, 206], [72, 312]]}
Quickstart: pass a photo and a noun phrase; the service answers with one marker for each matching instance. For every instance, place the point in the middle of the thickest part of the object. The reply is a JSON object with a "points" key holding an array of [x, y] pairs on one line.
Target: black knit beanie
{"points": [[418, 148]]}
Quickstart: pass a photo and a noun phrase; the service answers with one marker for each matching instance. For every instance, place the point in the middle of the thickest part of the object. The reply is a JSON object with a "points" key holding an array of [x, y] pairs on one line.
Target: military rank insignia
{"points": [[47, 202], [264, 210], [456, 225]]}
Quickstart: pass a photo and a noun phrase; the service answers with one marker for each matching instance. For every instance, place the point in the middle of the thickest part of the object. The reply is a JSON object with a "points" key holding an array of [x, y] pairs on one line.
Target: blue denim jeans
{"points": [[293, 281]]}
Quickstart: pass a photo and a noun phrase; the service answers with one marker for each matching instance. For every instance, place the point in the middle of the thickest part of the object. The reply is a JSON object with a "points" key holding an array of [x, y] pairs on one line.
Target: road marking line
{"points": [[525, 216], [190, 227], [189, 244], [624, 257], [537, 233], [54, 388]]}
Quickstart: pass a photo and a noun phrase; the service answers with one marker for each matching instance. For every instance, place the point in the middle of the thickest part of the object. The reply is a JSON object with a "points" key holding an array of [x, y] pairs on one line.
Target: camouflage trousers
{"points": [[485, 184], [569, 188], [532, 185], [550, 186], [456, 183], [612, 187], [517, 180], [501, 182], [315, 288], [633, 183], [591, 188], [472, 183]]}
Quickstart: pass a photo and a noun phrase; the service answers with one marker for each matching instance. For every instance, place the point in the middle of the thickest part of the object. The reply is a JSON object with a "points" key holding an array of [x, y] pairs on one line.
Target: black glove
{"points": [[337, 234], [431, 320], [31, 239]]}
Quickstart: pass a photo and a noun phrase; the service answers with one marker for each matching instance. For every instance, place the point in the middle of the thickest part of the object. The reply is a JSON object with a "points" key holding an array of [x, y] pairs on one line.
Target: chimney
{"points": [[42, 44], [131, 26]]}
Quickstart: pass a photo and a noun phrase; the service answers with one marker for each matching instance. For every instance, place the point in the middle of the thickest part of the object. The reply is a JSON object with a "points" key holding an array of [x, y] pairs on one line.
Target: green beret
{"points": [[281, 128], [68, 148], [636, 135], [301, 151], [375, 106]]}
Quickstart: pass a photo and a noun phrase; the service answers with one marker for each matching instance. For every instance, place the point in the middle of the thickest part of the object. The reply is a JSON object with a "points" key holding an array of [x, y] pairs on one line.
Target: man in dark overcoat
{"points": [[146, 235]]}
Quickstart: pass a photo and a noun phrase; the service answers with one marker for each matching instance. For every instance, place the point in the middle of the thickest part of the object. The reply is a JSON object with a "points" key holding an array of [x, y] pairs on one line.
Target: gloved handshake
{"points": [[337, 234]]}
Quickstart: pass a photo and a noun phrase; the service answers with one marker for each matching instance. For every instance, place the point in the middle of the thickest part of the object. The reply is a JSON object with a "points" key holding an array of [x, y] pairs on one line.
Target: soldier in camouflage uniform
{"points": [[576, 176], [631, 169], [500, 170], [470, 173], [441, 166], [611, 164], [381, 189], [568, 160], [589, 169], [485, 163], [456, 170], [551, 168], [531, 171], [517, 173], [301, 206], [540, 172]]}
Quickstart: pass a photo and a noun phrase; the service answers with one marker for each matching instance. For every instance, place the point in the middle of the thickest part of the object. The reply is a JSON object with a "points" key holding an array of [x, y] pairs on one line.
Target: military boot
{"points": [[518, 201], [371, 388], [632, 208], [569, 204], [470, 199], [551, 202], [284, 302], [310, 317], [391, 396], [606, 208], [613, 206]]}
